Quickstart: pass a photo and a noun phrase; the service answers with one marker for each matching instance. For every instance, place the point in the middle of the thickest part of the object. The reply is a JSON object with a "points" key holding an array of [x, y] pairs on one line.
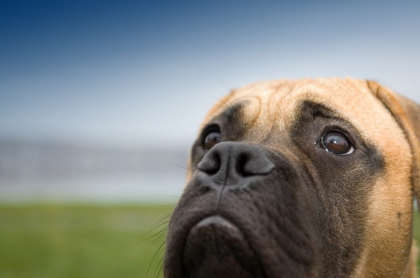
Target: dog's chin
{"points": [[215, 247]]}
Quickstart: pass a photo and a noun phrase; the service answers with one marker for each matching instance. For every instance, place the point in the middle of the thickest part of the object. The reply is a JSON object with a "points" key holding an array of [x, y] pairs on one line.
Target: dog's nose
{"points": [[231, 162]]}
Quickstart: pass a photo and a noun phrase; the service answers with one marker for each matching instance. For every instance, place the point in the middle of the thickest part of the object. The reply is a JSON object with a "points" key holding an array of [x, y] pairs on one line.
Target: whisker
{"points": [[154, 256], [182, 167], [152, 236], [142, 238], [160, 267], [160, 236]]}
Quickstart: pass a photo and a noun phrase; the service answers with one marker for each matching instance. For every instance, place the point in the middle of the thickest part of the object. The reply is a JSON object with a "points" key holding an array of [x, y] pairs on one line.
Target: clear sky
{"points": [[145, 73]]}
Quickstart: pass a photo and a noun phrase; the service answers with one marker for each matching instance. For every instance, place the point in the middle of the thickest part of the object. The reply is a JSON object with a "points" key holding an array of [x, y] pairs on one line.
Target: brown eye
{"points": [[337, 143], [212, 139]]}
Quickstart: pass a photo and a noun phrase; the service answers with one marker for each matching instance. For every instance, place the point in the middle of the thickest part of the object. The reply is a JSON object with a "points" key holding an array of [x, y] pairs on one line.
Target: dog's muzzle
{"points": [[240, 216]]}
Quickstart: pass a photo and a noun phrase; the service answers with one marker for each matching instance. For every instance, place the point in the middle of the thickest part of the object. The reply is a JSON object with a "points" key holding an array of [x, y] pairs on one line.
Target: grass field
{"points": [[80, 240], [84, 240]]}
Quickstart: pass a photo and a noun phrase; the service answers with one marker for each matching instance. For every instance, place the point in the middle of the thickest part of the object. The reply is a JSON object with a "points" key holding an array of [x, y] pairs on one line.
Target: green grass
{"points": [[84, 240], [80, 240], [416, 234]]}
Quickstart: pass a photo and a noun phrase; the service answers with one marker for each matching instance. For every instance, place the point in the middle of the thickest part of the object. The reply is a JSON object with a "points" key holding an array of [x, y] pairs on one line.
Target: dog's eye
{"points": [[212, 139], [336, 143]]}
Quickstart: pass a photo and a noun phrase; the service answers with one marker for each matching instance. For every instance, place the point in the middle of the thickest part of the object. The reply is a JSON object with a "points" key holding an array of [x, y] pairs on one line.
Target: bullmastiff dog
{"points": [[306, 178]]}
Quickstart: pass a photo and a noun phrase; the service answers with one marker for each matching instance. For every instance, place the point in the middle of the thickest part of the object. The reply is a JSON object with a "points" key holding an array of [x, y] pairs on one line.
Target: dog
{"points": [[305, 178]]}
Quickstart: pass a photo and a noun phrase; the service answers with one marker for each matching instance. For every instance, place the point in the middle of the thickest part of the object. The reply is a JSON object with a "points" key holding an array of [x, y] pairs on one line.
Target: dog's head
{"points": [[308, 178]]}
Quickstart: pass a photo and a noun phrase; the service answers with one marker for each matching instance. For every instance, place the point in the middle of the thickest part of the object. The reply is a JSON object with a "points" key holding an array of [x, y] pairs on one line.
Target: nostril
{"points": [[241, 162], [254, 163], [231, 162], [210, 164]]}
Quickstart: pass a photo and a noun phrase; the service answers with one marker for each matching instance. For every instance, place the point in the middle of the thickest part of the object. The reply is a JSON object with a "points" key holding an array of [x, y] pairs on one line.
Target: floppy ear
{"points": [[407, 114]]}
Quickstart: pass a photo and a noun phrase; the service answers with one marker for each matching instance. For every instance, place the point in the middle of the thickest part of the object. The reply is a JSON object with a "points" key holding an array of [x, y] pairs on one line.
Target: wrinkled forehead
{"points": [[279, 104]]}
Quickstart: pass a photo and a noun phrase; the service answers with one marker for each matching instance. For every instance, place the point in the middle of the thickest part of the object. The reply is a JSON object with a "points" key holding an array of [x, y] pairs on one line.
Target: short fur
{"points": [[316, 214]]}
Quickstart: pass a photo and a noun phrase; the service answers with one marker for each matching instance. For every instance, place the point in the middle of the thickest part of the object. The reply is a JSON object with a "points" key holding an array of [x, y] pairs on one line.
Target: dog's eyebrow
{"points": [[229, 120], [231, 112], [316, 109]]}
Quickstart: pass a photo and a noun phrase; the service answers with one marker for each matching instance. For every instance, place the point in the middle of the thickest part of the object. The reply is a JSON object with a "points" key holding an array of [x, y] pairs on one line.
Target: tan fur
{"points": [[407, 114], [384, 119], [411, 268]]}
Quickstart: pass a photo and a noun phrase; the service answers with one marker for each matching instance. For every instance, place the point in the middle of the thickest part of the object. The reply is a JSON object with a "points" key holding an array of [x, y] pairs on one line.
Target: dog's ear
{"points": [[407, 114]]}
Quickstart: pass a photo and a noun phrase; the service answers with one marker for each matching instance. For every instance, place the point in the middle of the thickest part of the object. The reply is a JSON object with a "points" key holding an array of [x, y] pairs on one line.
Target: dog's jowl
{"points": [[307, 178]]}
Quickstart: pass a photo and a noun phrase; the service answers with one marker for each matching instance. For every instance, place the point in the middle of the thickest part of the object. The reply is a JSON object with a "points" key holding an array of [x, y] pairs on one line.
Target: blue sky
{"points": [[144, 73]]}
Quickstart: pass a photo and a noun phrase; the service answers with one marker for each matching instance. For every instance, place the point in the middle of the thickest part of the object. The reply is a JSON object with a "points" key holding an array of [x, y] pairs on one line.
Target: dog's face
{"points": [[309, 178]]}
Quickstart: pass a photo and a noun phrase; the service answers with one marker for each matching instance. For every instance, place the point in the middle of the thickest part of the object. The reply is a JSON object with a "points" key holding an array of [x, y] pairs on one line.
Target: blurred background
{"points": [[100, 100]]}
